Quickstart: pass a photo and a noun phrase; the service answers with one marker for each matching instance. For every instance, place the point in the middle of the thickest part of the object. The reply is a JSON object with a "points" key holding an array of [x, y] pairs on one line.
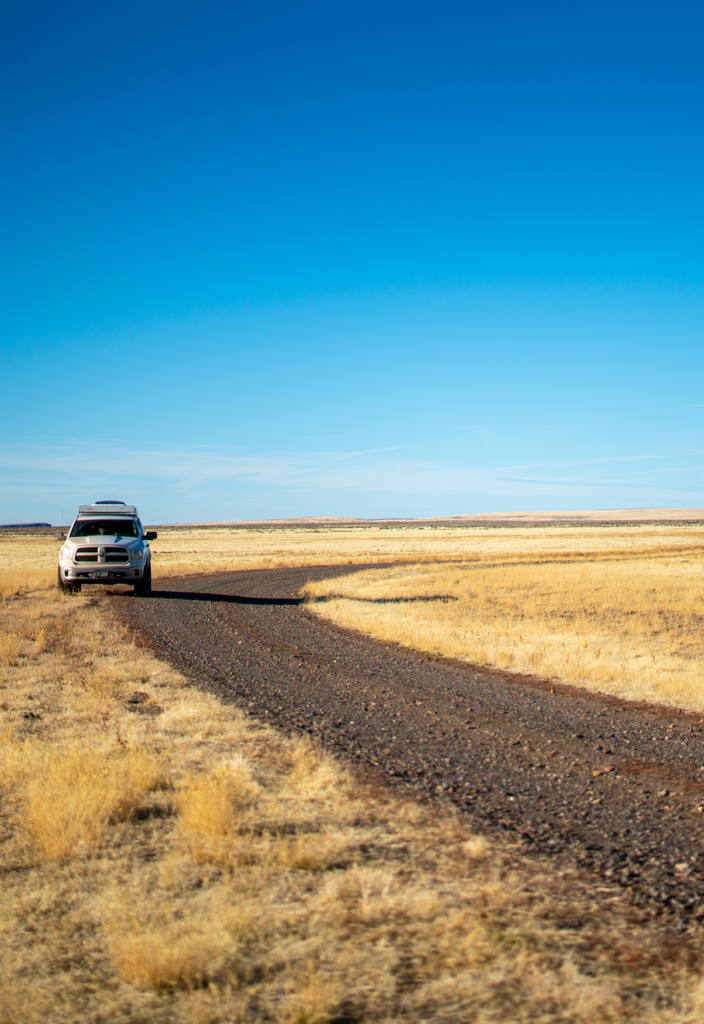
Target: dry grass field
{"points": [[619, 613], [205, 549], [182, 550], [164, 858]]}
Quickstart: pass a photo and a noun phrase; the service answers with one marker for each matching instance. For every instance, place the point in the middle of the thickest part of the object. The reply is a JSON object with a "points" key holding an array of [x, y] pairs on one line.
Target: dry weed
{"points": [[210, 809], [186, 955], [314, 999], [9, 648], [75, 792], [315, 775], [40, 640]]}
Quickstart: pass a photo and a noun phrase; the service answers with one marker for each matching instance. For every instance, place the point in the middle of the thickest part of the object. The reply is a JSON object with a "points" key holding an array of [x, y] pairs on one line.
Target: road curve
{"points": [[613, 786]]}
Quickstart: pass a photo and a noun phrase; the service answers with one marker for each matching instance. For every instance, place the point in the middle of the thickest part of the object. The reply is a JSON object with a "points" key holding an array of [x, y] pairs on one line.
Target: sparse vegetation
{"points": [[165, 858], [180, 551], [622, 621], [185, 550]]}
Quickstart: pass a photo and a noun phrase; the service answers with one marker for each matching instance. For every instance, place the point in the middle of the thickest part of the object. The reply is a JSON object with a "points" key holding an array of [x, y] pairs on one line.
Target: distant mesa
{"points": [[596, 517], [603, 515], [21, 526]]}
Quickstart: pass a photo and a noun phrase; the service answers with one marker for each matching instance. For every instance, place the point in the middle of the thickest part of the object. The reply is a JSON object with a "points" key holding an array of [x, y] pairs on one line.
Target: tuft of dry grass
{"points": [[624, 622], [9, 648], [180, 956], [174, 860], [74, 792], [208, 818]]}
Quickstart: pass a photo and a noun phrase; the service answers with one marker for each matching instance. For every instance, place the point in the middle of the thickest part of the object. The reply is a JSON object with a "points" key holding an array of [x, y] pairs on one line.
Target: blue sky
{"points": [[373, 259]]}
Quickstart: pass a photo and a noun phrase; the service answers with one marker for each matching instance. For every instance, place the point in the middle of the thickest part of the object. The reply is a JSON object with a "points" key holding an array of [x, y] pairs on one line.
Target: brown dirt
{"points": [[615, 787]]}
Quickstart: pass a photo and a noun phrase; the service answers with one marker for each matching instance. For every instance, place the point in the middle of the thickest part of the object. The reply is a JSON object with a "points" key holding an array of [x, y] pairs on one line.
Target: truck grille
{"points": [[117, 555], [86, 555], [106, 554]]}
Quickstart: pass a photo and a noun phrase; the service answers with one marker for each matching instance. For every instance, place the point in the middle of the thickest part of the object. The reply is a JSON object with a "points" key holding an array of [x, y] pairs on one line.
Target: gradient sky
{"points": [[351, 258]]}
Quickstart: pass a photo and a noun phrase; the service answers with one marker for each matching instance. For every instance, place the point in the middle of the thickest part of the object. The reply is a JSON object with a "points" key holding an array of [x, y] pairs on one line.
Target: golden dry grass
{"points": [[168, 859], [30, 560], [217, 549], [621, 621], [73, 794]]}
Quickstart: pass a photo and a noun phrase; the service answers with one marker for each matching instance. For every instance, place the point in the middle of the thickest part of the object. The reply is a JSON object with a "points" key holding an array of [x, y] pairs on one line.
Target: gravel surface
{"points": [[615, 787]]}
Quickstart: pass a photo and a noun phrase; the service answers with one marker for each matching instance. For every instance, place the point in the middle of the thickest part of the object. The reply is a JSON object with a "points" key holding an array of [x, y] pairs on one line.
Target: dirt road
{"points": [[616, 787]]}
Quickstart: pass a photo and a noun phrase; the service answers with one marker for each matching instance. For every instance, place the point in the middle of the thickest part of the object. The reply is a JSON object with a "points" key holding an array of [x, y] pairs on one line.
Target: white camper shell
{"points": [[106, 544]]}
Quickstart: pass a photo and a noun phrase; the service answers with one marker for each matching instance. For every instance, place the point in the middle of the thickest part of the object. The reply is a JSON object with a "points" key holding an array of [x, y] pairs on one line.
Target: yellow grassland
{"points": [[624, 620], [166, 859], [181, 550]]}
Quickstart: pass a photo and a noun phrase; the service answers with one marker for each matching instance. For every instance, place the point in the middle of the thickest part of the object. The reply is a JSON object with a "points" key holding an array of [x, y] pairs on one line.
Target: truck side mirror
{"points": [[150, 535]]}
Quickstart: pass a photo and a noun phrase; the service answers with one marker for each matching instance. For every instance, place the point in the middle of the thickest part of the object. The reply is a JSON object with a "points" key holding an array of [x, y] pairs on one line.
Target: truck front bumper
{"points": [[101, 573]]}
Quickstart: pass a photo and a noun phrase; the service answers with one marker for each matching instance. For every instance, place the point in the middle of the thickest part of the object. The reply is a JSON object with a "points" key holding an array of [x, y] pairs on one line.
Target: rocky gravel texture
{"points": [[615, 787]]}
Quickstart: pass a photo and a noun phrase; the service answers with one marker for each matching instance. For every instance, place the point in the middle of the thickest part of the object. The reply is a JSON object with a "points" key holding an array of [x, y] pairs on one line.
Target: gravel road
{"points": [[615, 787]]}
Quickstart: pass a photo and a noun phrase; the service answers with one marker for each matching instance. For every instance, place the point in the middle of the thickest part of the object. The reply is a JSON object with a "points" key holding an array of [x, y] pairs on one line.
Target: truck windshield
{"points": [[105, 528]]}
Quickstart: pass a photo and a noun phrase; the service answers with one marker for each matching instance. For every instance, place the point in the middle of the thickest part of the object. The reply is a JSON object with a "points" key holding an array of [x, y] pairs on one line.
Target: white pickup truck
{"points": [[106, 544]]}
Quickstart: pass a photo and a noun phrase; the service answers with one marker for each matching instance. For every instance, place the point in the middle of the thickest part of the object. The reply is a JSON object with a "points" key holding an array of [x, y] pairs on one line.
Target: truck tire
{"points": [[143, 587], [66, 588]]}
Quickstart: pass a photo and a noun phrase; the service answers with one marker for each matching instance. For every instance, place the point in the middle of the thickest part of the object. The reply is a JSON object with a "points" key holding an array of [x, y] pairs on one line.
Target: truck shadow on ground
{"points": [[190, 595]]}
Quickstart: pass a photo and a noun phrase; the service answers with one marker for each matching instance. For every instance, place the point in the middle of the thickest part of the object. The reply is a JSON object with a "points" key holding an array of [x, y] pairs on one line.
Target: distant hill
{"points": [[21, 526], [597, 517]]}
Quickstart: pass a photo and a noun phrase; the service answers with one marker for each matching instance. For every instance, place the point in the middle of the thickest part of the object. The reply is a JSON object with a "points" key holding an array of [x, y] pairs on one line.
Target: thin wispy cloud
{"points": [[614, 458], [88, 468], [614, 485], [354, 455]]}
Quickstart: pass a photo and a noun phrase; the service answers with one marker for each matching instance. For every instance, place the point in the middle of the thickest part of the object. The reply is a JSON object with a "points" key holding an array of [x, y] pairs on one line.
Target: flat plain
{"points": [[615, 610], [167, 857]]}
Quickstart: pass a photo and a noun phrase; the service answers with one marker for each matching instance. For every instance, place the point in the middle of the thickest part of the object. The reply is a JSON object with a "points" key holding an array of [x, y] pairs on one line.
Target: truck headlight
{"points": [[66, 553], [138, 555]]}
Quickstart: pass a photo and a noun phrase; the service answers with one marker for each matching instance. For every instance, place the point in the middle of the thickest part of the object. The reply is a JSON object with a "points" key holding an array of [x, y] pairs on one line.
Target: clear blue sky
{"points": [[351, 258]]}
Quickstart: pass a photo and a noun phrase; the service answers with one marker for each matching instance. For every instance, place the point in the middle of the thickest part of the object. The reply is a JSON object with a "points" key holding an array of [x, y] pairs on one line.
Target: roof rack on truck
{"points": [[112, 507]]}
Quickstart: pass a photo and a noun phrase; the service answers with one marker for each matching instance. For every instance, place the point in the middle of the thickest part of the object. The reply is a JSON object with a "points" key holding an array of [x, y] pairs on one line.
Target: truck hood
{"points": [[102, 541]]}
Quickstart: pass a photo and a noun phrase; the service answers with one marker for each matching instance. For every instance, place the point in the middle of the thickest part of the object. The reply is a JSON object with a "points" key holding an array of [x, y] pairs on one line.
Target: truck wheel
{"points": [[143, 587], [66, 588]]}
